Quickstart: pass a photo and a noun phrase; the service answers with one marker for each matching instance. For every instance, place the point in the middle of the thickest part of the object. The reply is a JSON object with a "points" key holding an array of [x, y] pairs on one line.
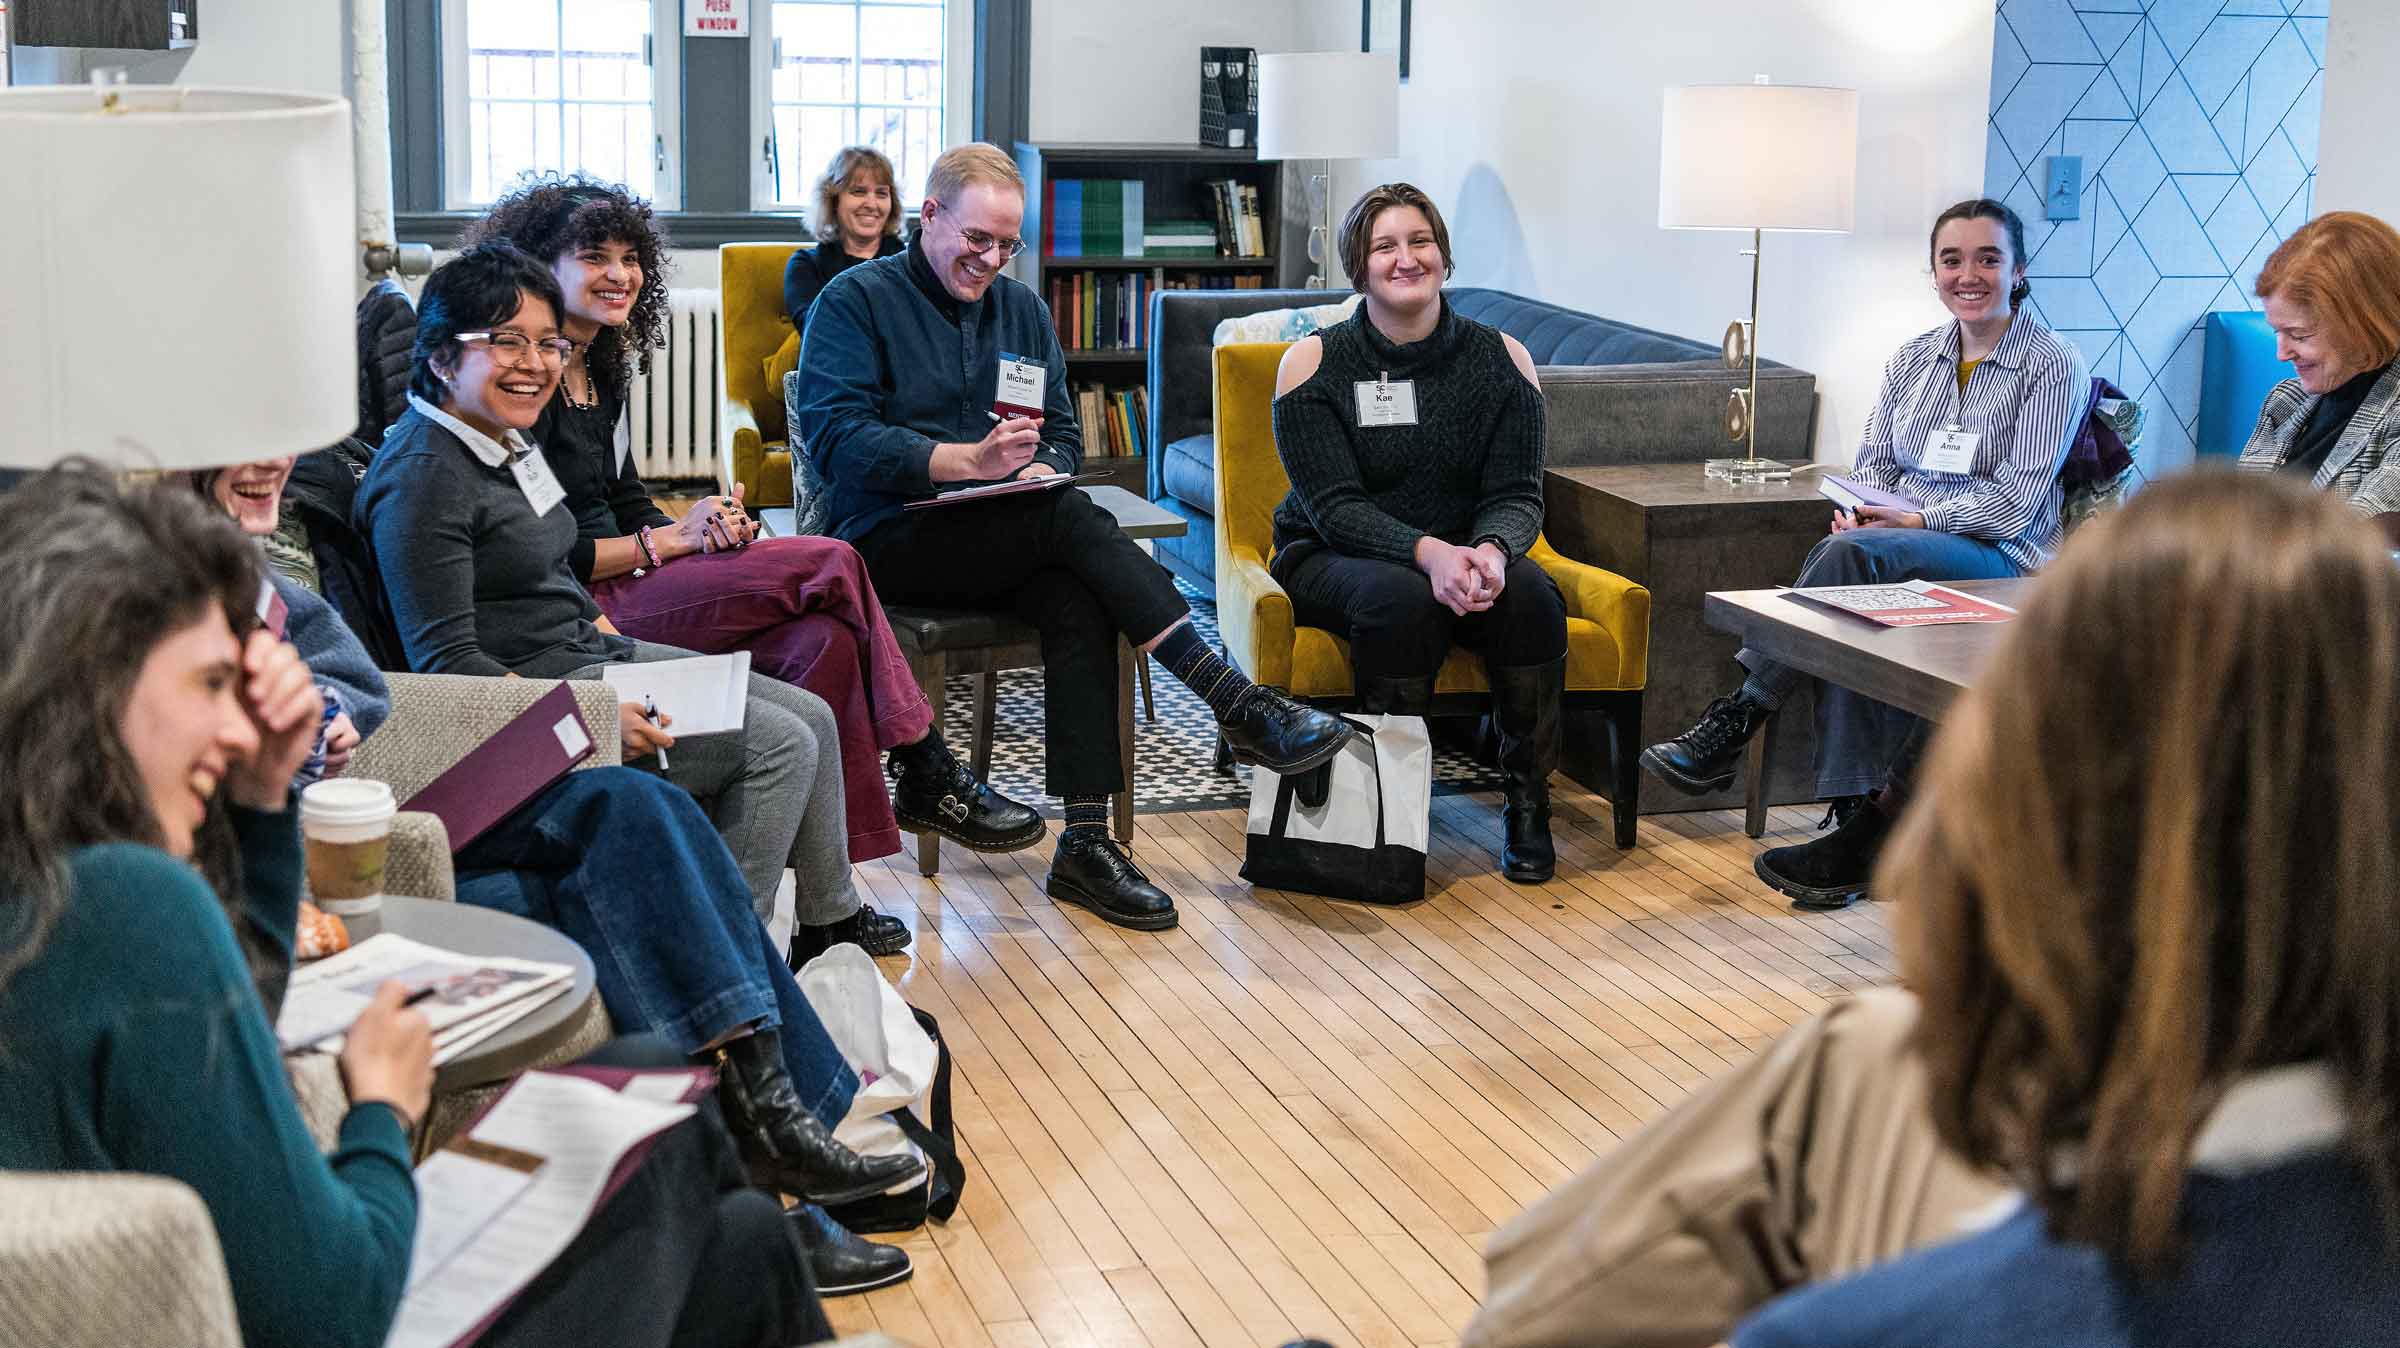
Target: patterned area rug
{"points": [[1174, 757]]}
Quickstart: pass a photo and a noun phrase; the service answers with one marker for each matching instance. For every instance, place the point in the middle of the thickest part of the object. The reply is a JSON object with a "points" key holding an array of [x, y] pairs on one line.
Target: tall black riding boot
{"points": [[785, 1146], [1525, 719], [1382, 694]]}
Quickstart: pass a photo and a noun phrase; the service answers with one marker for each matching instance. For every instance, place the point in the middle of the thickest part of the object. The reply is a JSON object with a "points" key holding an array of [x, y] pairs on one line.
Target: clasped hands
{"points": [[713, 524], [1465, 580]]}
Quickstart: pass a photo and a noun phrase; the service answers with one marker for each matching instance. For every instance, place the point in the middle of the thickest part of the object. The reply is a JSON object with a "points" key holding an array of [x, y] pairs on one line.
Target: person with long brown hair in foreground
{"points": [[2147, 910]]}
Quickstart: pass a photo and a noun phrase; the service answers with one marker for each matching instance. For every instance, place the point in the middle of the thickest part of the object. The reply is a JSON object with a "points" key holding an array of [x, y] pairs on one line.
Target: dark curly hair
{"points": [[551, 214]]}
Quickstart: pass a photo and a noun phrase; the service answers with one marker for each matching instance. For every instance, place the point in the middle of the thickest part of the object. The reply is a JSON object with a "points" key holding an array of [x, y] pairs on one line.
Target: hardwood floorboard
{"points": [[1291, 1116]]}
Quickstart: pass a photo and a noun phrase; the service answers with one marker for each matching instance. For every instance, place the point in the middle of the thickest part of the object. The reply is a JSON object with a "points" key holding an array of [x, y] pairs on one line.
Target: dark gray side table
{"points": [[1666, 527], [466, 929]]}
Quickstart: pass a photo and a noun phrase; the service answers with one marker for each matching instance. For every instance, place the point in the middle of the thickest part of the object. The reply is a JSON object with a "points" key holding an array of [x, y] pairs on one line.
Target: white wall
{"points": [[2356, 169], [1538, 138], [1129, 70]]}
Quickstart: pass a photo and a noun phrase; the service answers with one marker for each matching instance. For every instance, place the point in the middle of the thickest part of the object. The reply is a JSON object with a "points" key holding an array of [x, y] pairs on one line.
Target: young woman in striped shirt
{"points": [[1973, 423]]}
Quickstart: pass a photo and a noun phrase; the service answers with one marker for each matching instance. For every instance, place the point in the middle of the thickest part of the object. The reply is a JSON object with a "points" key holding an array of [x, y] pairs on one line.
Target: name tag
{"points": [[1386, 404], [535, 479], [1022, 388], [1950, 451]]}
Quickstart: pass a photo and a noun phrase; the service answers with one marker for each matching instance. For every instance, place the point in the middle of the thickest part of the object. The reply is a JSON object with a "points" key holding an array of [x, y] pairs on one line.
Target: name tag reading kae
{"points": [[1022, 389], [1950, 450], [535, 479], [1384, 403]]}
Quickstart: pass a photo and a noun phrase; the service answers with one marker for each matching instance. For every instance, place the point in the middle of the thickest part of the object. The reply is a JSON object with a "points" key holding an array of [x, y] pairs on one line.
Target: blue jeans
{"points": [[627, 866], [1860, 740]]}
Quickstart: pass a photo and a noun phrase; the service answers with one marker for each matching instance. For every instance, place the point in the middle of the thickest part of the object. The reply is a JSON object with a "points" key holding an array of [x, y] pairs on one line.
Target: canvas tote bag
{"points": [[1365, 839]]}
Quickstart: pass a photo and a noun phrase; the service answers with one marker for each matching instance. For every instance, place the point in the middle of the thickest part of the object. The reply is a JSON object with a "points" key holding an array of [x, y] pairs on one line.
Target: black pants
{"points": [[1397, 629], [686, 1255], [1058, 561]]}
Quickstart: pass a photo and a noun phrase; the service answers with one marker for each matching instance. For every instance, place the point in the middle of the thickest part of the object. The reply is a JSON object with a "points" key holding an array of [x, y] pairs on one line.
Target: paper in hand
{"points": [[700, 694]]}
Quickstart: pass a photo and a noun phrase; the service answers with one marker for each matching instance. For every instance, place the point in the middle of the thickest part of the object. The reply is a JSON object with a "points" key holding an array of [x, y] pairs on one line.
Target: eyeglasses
{"points": [[979, 242], [515, 348]]}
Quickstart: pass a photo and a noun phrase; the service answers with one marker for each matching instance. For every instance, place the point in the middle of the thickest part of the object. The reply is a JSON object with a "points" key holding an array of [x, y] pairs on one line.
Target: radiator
{"points": [[674, 408]]}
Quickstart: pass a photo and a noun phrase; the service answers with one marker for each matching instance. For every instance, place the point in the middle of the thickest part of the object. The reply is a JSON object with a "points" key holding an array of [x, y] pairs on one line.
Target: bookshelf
{"points": [[1174, 185]]}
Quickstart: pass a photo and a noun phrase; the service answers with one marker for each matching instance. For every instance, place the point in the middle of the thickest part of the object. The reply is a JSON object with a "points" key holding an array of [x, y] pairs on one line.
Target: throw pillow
{"points": [[1283, 325]]}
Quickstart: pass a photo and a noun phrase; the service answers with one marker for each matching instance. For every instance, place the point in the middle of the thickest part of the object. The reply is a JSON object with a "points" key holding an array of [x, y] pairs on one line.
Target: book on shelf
{"points": [[1179, 238], [1066, 218], [1254, 232]]}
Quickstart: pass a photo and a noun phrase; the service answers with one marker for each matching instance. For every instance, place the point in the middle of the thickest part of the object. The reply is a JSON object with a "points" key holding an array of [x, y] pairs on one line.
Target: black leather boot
{"points": [[1382, 694], [1269, 730], [786, 1147], [874, 932], [844, 1263], [1702, 759], [938, 794], [1525, 721], [1828, 874]]}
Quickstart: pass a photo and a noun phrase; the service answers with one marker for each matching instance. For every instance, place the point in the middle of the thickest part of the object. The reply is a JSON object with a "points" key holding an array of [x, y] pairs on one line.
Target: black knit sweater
{"points": [[1470, 469]]}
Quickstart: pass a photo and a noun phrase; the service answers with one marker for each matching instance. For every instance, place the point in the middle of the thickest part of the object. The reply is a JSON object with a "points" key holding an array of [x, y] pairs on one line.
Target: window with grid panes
{"points": [[855, 72], [565, 85]]}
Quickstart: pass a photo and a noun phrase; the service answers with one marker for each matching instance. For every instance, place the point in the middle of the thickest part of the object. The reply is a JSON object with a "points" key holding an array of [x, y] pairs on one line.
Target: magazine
{"points": [[1913, 603], [473, 996], [1850, 493]]}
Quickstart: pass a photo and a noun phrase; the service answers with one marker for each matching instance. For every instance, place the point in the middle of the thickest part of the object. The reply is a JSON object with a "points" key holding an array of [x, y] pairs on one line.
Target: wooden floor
{"points": [[1295, 1117]]}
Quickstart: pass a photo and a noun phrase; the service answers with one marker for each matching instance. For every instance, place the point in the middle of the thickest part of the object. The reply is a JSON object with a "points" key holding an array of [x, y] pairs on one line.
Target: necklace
{"points": [[566, 386]]}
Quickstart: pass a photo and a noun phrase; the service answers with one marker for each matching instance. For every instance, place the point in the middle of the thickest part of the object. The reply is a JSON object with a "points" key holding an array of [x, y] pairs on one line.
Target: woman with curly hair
{"points": [[803, 607], [858, 220]]}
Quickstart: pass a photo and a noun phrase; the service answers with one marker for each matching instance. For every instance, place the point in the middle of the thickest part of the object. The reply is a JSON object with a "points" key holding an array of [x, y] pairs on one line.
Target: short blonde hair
{"points": [[846, 165], [2345, 266], [973, 162]]}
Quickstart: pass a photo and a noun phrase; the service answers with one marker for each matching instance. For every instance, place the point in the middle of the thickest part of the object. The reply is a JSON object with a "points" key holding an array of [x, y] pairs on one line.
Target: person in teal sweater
{"points": [[150, 866]]}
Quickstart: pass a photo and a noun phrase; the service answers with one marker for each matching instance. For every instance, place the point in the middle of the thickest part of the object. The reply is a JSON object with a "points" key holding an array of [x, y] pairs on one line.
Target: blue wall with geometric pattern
{"points": [[2197, 124]]}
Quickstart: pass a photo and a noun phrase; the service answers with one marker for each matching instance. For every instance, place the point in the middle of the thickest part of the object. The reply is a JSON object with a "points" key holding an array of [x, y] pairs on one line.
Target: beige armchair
{"points": [[110, 1261]]}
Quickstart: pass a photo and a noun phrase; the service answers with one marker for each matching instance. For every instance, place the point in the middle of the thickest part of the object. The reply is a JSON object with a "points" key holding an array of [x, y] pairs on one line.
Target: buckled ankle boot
{"points": [[1525, 720], [785, 1146]]}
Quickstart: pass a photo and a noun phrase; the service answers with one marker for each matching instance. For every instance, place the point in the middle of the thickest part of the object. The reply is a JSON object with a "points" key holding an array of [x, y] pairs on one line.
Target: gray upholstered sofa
{"points": [[1616, 394]]}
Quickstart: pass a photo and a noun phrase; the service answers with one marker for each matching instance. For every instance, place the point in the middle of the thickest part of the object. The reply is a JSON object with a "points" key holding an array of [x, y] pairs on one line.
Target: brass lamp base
{"points": [[1745, 470]]}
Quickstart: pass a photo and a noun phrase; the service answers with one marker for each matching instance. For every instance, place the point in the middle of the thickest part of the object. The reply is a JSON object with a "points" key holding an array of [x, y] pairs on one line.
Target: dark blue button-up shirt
{"points": [[892, 365]]}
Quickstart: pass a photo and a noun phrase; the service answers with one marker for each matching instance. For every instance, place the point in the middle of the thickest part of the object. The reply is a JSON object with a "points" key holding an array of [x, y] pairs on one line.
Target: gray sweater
{"points": [[478, 583], [1470, 469]]}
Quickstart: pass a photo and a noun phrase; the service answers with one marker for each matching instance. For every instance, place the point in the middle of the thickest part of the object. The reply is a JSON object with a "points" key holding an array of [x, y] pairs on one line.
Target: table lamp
{"points": [[1756, 156], [180, 274], [1327, 105]]}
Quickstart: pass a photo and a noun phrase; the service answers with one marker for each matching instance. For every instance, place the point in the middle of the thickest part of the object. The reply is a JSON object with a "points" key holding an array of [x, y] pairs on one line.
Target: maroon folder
{"points": [[506, 770]]}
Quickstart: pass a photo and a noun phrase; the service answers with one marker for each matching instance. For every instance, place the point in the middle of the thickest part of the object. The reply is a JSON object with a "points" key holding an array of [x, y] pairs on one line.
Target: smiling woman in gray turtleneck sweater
{"points": [[1413, 440]]}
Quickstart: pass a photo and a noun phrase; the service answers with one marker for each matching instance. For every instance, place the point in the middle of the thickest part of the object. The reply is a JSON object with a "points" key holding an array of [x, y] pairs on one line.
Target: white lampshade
{"points": [[177, 276], [1758, 156], [1328, 105]]}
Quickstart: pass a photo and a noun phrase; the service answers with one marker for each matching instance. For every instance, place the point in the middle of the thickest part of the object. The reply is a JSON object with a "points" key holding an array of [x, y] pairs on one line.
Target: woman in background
{"points": [[2332, 294], [858, 220]]}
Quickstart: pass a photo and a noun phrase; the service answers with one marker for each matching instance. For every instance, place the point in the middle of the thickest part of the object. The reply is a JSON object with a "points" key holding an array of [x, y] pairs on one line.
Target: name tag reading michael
{"points": [[1950, 451], [535, 479], [1023, 387], [1384, 403]]}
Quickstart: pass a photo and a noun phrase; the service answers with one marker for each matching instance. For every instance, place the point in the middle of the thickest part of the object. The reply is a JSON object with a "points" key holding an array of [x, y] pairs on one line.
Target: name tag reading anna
{"points": [[535, 479], [1384, 403], [1023, 386], [1950, 450]]}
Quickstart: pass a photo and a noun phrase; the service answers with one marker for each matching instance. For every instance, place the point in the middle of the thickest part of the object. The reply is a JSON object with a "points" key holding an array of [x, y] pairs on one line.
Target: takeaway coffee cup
{"points": [[347, 825]]}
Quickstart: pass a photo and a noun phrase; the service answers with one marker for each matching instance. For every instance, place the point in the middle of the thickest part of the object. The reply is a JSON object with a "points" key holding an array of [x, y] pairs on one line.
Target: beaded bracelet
{"points": [[649, 549]]}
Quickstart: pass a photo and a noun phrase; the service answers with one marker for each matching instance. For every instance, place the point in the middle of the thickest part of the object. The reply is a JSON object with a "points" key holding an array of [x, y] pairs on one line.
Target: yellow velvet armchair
{"points": [[754, 448], [1608, 616]]}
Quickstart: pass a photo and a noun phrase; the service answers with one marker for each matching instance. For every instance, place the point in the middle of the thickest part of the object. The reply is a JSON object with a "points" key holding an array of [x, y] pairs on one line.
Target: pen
{"points": [[419, 995], [650, 714]]}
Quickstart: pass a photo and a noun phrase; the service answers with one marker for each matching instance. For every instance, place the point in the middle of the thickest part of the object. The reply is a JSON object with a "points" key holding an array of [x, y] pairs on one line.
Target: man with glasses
{"points": [[928, 371]]}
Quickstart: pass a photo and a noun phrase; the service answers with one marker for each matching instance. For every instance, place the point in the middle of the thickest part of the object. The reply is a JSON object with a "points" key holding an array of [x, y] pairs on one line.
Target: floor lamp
{"points": [[1758, 157], [180, 273], [1327, 105]]}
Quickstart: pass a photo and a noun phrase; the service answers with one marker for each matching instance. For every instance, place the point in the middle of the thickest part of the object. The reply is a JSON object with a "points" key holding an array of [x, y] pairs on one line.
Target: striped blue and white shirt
{"points": [[2026, 399]]}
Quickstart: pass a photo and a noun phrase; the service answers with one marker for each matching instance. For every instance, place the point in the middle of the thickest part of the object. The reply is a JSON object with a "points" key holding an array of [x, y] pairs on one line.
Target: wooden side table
{"points": [[1666, 527]]}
